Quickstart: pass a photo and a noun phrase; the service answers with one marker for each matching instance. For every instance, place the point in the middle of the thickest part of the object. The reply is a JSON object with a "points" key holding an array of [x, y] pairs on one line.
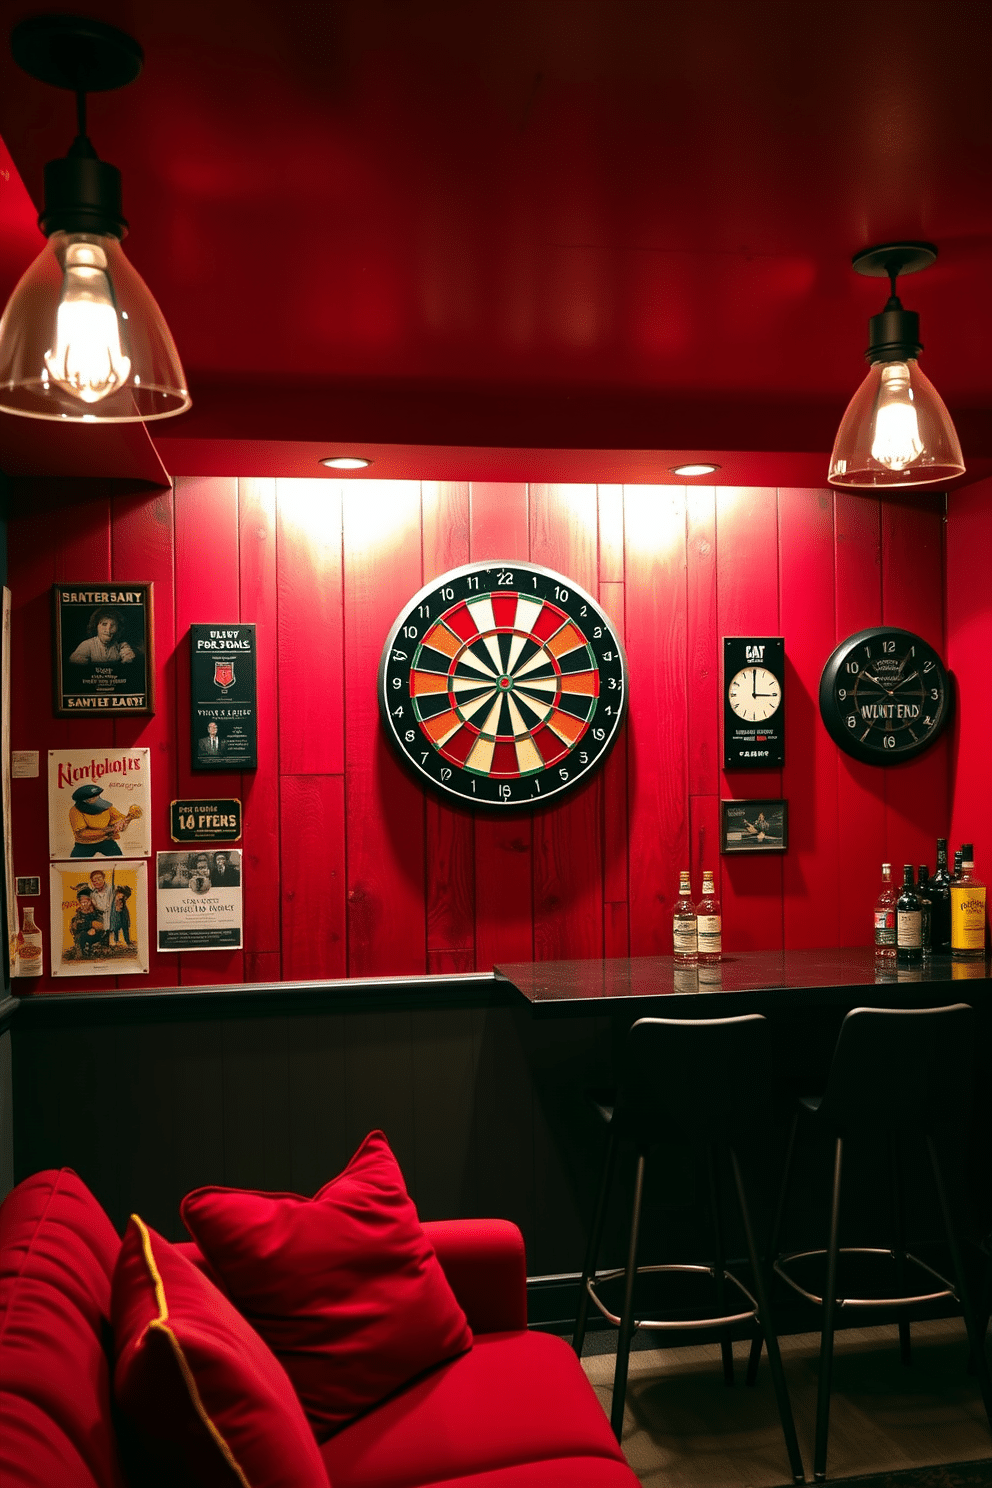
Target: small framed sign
{"points": [[205, 821], [224, 700], [102, 639], [754, 826]]}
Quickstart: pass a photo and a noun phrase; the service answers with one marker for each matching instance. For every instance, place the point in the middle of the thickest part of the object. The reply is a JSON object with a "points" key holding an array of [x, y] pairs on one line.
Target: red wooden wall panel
{"points": [[969, 625], [350, 868]]}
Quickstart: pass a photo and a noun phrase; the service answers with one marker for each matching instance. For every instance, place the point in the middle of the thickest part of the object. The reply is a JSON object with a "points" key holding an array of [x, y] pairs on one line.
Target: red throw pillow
{"points": [[345, 1288], [197, 1382]]}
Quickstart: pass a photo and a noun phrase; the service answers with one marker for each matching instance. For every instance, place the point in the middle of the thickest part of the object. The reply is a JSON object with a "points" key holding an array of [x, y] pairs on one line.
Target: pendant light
{"points": [[896, 431], [82, 340]]}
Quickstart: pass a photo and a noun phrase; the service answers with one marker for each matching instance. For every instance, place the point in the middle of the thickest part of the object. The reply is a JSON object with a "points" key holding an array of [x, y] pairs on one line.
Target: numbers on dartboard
{"points": [[561, 594], [504, 792], [472, 581], [409, 736], [411, 632], [399, 656], [504, 576], [447, 593], [445, 774]]}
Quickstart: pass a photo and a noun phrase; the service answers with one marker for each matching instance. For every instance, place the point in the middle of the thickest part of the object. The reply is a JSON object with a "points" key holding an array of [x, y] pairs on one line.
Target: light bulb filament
{"points": [[87, 359], [896, 441]]}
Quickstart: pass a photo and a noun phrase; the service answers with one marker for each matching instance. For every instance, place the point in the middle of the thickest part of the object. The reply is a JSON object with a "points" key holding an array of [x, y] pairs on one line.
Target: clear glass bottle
{"points": [[684, 941], [29, 953], [885, 917], [909, 922], [968, 911], [940, 903], [926, 909], [709, 923]]}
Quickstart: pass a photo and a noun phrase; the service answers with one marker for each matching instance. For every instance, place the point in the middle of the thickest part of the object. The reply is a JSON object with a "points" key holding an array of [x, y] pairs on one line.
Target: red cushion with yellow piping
{"points": [[196, 1379], [344, 1287]]}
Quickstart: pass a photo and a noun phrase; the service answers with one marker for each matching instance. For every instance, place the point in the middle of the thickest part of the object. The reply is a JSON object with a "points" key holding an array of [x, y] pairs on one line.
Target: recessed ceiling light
{"points": [[693, 469], [346, 462]]}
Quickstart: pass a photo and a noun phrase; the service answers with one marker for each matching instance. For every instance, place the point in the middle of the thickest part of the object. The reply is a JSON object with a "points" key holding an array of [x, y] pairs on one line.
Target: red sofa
{"points": [[513, 1411]]}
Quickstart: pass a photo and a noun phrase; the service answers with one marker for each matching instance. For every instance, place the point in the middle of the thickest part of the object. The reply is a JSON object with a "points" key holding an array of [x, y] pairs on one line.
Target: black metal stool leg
{"points": [[976, 1340], [627, 1315], [754, 1358], [827, 1335], [899, 1249], [720, 1263], [768, 1331], [595, 1236]]}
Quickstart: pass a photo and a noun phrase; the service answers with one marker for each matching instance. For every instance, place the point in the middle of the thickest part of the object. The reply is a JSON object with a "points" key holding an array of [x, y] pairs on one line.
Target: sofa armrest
{"points": [[484, 1262]]}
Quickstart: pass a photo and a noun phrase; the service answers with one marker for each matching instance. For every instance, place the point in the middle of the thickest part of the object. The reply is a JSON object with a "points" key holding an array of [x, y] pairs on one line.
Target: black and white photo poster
{"points": [[199, 900]]}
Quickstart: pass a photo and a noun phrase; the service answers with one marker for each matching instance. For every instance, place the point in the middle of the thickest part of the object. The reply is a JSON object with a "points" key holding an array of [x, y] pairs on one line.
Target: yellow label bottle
{"points": [[967, 911]]}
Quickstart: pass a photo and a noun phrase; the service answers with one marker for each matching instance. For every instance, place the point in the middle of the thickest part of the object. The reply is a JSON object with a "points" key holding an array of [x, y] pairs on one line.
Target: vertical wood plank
{"points": [[860, 787], [747, 604], [616, 866], [917, 792], [610, 502], [143, 541], [208, 590], [969, 534], [705, 646], [385, 807], [313, 877], [655, 582], [450, 839], [261, 825], [806, 581], [311, 624], [500, 529], [568, 836]]}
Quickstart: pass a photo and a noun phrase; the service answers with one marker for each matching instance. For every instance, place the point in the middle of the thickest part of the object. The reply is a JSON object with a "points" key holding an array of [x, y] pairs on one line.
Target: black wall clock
{"points": [[884, 695], [753, 702], [503, 684]]}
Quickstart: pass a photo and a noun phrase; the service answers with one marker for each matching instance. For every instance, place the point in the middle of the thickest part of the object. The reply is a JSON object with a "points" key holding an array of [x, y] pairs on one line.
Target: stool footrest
{"points": [[947, 1288], [685, 1324]]}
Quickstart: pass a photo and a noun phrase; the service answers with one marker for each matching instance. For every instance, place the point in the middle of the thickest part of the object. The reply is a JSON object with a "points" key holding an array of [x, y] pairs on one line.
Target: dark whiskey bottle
{"points": [[909, 922], [926, 909], [940, 903]]}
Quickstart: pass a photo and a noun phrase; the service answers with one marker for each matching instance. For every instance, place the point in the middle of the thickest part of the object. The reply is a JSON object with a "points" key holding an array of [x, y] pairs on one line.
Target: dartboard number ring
{"points": [[503, 684]]}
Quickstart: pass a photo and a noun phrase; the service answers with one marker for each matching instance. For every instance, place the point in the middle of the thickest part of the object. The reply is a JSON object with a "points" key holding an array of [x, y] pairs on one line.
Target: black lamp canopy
{"points": [[82, 192], [894, 334]]}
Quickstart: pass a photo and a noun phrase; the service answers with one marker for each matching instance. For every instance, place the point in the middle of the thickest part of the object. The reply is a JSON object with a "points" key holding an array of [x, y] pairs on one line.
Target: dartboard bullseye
{"points": [[503, 685]]}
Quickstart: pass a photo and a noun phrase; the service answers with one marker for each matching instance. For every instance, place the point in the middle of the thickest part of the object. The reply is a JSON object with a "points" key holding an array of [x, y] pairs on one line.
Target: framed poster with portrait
{"points": [[754, 826], [102, 640]]}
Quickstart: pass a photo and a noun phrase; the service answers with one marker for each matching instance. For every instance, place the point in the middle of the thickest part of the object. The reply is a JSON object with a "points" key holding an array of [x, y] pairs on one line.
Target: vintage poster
{"points": [[199, 900], [99, 803], [223, 697], [102, 636], [99, 918], [205, 820]]}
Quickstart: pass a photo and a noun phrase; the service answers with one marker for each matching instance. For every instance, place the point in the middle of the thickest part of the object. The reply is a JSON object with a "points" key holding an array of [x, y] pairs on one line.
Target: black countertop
{"points": [[750, 981]]}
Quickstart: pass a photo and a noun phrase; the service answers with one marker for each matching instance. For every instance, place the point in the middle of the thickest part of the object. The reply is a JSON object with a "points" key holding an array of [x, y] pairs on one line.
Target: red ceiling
{"points": [[459, 226]]}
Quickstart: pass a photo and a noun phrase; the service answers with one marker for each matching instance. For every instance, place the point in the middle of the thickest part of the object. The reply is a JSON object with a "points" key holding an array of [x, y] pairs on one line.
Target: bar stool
{"points": [[905, 1073], [698, 1082]]}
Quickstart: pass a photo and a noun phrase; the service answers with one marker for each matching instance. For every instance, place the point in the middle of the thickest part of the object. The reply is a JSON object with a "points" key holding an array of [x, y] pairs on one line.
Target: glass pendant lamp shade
{"points": [[896, 431], [82, 339]]}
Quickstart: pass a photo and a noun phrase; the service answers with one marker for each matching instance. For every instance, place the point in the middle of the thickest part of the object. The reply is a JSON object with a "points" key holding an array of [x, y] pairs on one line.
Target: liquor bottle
{"points": [[940, 903], [708, 921], [29, 958], [926, 909], [968, 911], [885, 918], [684, 940], [909, 926]]}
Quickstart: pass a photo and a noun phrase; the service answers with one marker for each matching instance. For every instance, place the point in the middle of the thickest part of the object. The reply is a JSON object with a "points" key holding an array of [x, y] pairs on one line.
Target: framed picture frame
{"points": [[102, 649], [754, 826]]}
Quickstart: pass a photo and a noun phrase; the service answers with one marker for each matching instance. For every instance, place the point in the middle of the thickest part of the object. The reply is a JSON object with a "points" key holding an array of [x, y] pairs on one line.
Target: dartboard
{"points": [[503, 684]]}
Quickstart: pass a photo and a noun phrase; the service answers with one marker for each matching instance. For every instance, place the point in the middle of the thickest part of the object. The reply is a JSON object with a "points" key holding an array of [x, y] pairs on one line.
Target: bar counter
{"points": [[748, 981]]}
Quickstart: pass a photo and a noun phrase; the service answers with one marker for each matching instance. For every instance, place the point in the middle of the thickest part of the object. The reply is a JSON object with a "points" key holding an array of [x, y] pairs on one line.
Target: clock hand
{"points": [[754, 682], [876, 683], [906, 679]]}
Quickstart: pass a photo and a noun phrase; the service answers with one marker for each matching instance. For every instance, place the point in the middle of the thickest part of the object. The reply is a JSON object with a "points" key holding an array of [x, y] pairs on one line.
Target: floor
{"points": [[685, 1429]]}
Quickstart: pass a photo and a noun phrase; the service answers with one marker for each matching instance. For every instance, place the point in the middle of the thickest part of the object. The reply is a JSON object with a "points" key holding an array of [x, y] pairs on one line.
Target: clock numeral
{"points": [[852, 720], [842, 693], [889, 741], [887, 646], [927, 667], [934, 694], [928, 720], [852, 667]]}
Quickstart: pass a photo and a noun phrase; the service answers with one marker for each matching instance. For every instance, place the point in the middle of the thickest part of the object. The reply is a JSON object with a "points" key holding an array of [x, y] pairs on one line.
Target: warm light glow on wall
{"points": [[654, 519], [312, 509]]}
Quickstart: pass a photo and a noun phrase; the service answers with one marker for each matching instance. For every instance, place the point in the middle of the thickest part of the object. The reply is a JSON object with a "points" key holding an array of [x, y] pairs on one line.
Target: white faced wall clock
{"points": [[502, 684]]}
